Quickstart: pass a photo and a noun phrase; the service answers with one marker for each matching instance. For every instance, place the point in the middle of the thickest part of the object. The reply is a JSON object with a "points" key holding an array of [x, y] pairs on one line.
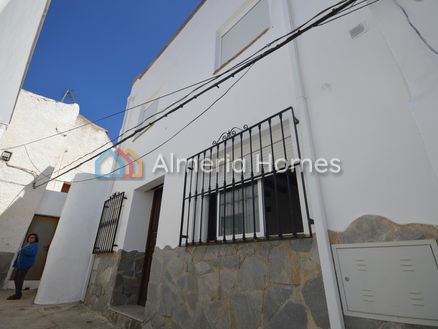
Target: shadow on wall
{"points": [[15, 220]]}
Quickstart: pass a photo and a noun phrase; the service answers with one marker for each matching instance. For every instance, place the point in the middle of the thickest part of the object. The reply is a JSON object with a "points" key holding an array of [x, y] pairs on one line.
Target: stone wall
{"points": [[115, 280], [275, 284], [128, 278], [371, 228], [102, 281]]}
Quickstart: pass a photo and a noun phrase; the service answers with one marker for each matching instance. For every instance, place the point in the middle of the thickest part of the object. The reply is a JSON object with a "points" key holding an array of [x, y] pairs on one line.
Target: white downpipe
{"points": [[316, 200]]}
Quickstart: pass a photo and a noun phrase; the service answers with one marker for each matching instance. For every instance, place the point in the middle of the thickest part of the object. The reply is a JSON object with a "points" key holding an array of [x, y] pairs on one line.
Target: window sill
{"points": [[298, 236]]}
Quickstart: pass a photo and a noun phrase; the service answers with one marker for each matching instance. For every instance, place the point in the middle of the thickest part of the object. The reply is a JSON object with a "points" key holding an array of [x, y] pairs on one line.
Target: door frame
{"points": [[154, 220], [31, 284]]}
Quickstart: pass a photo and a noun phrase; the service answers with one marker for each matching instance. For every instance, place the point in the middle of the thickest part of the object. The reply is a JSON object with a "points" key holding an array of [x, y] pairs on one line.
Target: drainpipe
{"points": [[315, 193]]}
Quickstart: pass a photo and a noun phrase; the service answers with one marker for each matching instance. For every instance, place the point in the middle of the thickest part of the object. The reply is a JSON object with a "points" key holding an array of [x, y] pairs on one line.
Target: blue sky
{"points": [[97, 47]]}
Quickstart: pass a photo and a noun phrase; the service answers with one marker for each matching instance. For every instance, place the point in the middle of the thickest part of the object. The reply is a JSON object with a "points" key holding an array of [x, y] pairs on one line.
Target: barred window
{"points": [[265, 198], [109, 222]]}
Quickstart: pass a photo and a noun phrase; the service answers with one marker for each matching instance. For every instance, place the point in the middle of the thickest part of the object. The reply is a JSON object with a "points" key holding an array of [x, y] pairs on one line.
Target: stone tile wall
{"points": [[115, 280], [128, 278], [102, 281], [270, 284]]}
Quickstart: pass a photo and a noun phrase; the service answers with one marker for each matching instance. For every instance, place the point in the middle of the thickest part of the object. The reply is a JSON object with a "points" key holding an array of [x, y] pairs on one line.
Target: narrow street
{"points": [[24, 314]]}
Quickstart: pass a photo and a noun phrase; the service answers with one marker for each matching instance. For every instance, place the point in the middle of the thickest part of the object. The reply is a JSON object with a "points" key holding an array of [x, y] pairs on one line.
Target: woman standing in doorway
{"points": [[24, 261]]}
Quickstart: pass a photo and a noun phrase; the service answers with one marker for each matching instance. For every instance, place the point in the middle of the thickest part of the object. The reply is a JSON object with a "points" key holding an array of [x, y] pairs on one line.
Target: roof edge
{"points": [[141, 75]]}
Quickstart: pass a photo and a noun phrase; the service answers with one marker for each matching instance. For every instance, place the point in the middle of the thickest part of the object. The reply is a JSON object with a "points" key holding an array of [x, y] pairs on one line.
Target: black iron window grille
{"points": [[247, 186], [109, 221]]}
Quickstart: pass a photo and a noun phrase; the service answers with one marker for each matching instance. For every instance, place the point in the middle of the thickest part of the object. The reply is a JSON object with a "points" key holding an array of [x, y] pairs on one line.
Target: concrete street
{"points": [[19, 314]]}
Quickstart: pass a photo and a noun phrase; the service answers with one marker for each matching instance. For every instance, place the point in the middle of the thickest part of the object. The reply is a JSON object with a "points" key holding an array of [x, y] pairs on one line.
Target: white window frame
{"points": [[142, 116], [245, 9], [261, 219]]}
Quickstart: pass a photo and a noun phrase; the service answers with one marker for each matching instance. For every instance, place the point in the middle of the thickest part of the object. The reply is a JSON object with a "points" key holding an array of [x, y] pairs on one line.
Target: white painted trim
{"points": [[261, 219], [229, 24]]}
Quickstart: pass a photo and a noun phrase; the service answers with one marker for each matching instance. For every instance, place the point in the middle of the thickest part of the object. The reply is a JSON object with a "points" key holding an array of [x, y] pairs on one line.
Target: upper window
{"points": [[241, 32], [147, 113], [146, 116], [65, 187]]}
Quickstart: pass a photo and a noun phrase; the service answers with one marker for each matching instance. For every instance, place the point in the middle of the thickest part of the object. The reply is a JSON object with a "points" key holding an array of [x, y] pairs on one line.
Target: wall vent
{"points": [[357, 30]]}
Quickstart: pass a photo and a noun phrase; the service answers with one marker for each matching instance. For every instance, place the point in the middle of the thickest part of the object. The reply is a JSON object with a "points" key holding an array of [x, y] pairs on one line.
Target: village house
{"points": [[24, 208], [351, 243], [272, 249]]}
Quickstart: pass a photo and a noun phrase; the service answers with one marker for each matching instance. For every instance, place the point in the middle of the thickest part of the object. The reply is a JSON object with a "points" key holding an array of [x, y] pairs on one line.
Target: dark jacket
{"points": [[26, 256]]}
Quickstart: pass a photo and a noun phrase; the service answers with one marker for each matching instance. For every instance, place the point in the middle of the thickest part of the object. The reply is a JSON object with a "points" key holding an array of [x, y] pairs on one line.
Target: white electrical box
{"points": [[391, 281]]}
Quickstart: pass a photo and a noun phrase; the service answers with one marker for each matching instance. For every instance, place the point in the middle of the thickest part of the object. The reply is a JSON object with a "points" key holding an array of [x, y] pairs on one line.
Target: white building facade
{"points": [[363, 90], [20, 25], [27, 203]]}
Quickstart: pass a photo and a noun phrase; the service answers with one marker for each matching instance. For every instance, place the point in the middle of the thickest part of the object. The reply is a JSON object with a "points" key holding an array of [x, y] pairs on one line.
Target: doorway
{"points": [[45, 227], [150, 244]]}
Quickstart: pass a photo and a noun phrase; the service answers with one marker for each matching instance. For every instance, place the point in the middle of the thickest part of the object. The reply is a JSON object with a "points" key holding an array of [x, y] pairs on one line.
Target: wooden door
{"points": [[150, 244], [45, 227]]}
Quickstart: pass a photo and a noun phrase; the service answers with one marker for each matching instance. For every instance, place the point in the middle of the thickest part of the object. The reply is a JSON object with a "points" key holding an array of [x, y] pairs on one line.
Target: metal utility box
{"points": [[391, 281]]}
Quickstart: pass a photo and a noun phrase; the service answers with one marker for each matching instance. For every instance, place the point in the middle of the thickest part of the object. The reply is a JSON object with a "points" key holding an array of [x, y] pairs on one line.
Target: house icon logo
{"points": [[127, 164]]}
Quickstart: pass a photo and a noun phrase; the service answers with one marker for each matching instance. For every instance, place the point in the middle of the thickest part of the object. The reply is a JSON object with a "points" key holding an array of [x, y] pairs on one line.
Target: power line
{"points": [[203, 82], [106, 117], [199, 87], [349, 12], [334, 11], [176, 133]]}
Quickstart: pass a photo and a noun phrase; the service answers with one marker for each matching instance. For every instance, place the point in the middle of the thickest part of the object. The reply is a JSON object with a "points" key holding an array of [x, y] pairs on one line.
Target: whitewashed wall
{"points": [[34, 117], [37, 117], [51, 204], [86, 138], [359, 107], [67, 267], [358, 103], [20, 24]]}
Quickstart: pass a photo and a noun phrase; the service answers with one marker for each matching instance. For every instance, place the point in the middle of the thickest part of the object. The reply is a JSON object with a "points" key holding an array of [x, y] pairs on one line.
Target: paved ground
{"points": [[23, 314]]}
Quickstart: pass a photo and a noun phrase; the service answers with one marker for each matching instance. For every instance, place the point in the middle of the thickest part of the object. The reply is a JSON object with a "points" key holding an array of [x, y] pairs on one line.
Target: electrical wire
{"points": [[349, 12], [202, 83], [335, 10], [227, 71], [173, 135], [106, 117]]}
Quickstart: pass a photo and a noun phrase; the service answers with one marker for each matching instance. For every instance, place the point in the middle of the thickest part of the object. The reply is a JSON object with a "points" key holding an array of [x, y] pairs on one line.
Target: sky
{"points": [[96, 48]]}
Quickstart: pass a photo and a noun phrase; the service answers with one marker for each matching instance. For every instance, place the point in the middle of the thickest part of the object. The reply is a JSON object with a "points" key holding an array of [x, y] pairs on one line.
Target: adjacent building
{"points": [[20, 25], [340, 234], [43, 138]]}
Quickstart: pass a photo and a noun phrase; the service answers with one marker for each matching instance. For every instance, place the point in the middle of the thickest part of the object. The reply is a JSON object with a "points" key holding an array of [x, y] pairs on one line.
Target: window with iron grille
{"points": [[263, 199], [109, 222]]}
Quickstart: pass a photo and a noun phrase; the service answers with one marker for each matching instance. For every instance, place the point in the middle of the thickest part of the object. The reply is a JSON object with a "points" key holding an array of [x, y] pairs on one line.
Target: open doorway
{"points": [[150, 244], [45, 227]]}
